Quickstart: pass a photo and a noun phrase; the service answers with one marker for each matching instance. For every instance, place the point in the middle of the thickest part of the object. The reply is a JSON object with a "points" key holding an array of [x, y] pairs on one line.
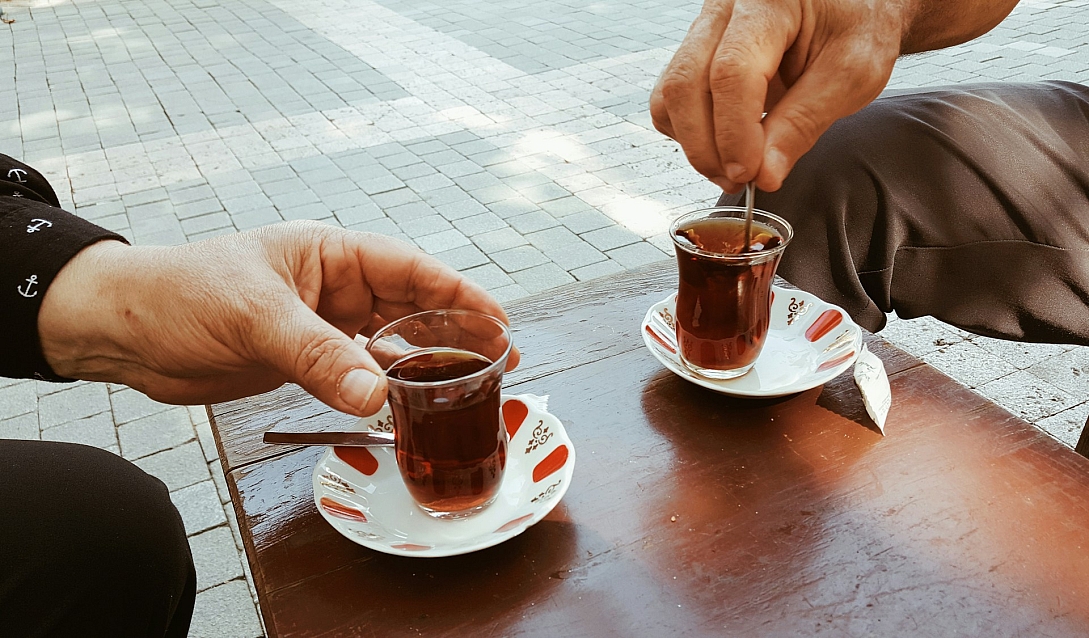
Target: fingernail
{"points": [[736, 172], [357, 386]]}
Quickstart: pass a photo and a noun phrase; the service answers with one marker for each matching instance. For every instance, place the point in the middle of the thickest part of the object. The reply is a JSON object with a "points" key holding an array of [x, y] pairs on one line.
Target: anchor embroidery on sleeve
{"points": [[18, 174], [30, 284], [36, 225], [16, 194]]}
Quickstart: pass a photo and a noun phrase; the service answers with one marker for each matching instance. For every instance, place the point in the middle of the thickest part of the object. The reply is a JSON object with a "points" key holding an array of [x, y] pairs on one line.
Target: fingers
{"points": [[681, 103], [840, 81], [744, 65], [327, 363]]}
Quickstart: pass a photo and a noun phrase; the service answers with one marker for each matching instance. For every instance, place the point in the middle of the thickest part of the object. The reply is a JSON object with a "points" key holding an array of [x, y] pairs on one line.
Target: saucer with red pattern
{"points": [[809, 343], [360, 492]]}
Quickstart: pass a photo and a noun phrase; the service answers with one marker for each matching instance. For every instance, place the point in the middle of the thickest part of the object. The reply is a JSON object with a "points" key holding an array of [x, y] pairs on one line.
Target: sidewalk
{"points": [[509, 139]]}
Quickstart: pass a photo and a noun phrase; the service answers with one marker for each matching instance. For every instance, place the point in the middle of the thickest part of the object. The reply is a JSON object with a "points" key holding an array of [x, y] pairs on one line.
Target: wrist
{"points": [[928, 25], [80, 323]]}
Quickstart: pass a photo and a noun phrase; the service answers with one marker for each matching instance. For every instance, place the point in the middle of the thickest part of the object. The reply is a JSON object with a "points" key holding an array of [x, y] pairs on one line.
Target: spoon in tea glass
{"points": [[750, 195]]}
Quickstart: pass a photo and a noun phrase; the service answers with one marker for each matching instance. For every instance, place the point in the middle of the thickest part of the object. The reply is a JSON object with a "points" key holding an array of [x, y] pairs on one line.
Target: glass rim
{"points": [[501, 361], [740, 257]]}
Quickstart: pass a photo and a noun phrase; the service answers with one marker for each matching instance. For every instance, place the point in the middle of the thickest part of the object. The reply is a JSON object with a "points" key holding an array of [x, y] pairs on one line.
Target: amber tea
{"points": [[451, 456], [724, 295]]}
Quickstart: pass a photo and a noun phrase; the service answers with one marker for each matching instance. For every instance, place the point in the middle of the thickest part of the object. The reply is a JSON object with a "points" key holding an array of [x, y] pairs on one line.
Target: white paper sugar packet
{"points": [[872, 381]]}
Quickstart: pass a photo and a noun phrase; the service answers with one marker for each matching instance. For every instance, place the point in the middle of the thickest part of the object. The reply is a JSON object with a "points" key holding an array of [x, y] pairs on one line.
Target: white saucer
{"points": [[809, 343], [359, 491]]}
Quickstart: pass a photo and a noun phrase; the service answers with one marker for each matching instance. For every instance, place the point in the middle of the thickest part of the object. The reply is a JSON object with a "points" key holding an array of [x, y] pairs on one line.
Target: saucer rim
{"points": [[491, 538], [723, 386]]}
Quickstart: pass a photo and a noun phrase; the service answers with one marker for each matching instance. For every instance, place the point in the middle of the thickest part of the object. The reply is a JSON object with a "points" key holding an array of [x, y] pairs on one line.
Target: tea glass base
{"points": [[457, 515], [717, 375]]}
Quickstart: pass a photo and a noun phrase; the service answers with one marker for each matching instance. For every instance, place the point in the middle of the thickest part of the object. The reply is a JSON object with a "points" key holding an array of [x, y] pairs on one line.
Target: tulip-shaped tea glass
{"points": [[445, 370], [724, 296]]}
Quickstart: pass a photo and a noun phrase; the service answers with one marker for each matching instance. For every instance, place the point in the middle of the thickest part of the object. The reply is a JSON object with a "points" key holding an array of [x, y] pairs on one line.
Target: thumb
{"points": [[823, 94], [327, 363]]}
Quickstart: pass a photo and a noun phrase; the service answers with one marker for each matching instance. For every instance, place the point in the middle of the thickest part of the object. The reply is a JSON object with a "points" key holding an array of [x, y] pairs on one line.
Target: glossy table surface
{"points": [[695, 514]]}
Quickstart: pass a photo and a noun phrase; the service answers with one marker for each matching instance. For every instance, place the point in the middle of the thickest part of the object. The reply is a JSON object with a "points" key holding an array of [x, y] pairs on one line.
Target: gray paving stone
{"points": [[197, 209], [511, 292], [1066, 426], [129, 405], [155, 433], [24, 426], [315, 211], [18, 398], [598, 269], [463, 257], [478, 224], [97, 431], [441, 241], [358, 214], [216, 471], [216, 557], [1020, 355], [969, 364], [225, 611], [498, 240], [177, 467], [585, 221], [532, 222], [1027, 396], [610, 237], [1069, 371], [206, 223], [396, 197], [635, 255], [519, 258], [460, 209], [429, 224], [542, 277], [383, 225], [199, 417], [256, 218], [920, 336], [489, 276], [74, 402], [199, 507]]}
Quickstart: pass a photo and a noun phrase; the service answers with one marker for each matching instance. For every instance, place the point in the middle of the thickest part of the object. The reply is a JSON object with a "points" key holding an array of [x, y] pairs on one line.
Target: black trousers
{"points": [[90, 545], [967, 203]]}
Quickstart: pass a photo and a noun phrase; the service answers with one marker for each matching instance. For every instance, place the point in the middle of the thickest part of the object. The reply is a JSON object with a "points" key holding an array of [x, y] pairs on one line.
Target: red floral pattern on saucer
{"points": [[809, 343], [359, 491]]}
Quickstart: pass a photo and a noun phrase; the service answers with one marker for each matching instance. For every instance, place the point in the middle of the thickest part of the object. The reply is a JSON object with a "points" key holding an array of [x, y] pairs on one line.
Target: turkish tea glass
{"points": [[445, 370], [724, 293]]}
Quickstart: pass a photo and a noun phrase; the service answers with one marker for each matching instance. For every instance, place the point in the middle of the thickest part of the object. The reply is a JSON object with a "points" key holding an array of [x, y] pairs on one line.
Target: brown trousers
{"points": [[966, 203]]}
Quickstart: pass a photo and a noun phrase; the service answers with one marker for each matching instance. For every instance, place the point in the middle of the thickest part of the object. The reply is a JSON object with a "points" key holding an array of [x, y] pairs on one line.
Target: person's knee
{"points": [[101, 542], [131, 530]]}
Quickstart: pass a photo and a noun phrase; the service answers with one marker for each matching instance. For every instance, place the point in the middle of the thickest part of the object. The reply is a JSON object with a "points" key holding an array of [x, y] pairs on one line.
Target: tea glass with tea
{"points": [[724, 296], [445, 370]]}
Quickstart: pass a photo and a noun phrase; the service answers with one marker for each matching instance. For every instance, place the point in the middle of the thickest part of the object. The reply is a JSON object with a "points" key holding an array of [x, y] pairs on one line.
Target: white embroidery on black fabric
{"points": [[30, 284], [16, 194], [36, 225], [18, 174]]}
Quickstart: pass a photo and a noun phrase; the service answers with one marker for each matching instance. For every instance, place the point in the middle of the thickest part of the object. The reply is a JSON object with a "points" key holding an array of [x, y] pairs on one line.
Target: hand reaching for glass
{"points": [[242, 314]]}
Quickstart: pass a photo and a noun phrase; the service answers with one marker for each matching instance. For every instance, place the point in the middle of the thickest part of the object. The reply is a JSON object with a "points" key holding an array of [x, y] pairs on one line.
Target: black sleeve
{"points": [[37, 238]]}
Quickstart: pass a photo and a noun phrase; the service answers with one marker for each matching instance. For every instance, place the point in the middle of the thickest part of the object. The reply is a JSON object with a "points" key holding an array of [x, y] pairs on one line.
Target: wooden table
{"points": [[694, 514]]}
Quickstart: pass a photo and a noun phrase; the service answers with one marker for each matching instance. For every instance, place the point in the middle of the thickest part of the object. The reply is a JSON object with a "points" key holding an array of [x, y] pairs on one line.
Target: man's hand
{"points": [[241, 314], [806, 63]]}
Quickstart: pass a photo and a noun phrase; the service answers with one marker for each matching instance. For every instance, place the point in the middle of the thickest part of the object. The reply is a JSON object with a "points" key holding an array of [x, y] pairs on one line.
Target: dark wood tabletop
{"points": [[694, 514]]}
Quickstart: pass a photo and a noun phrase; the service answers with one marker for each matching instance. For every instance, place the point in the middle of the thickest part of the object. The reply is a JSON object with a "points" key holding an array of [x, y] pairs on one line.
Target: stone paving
{"points": [[510, 139]]}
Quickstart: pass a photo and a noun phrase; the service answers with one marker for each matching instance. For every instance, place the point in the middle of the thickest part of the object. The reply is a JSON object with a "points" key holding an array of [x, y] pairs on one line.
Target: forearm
{"points": [[935, 24]]}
